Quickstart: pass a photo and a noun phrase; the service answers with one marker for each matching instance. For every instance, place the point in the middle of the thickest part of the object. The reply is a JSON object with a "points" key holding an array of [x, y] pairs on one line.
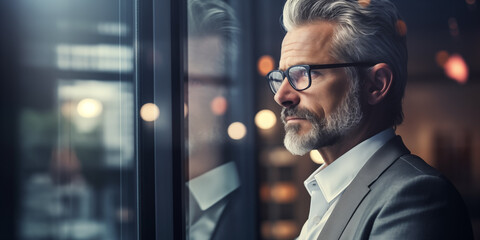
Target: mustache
{"points": [[298, 112]]}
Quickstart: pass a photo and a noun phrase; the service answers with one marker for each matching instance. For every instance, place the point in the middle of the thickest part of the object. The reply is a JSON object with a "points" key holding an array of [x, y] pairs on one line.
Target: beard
{"points": [[326, 131]]}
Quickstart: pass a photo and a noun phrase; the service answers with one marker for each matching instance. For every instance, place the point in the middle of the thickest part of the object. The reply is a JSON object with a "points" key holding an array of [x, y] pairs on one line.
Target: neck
{"points": [[365, 130]]}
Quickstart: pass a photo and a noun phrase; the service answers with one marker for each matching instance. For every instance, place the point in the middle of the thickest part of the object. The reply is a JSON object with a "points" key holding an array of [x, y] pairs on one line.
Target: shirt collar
{"points": [[214, 185], [334, 178]]}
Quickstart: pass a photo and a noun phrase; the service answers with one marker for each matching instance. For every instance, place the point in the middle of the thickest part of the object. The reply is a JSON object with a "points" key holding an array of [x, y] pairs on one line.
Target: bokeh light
{"points": [[237, 131], [277, 157], [185, 110], [89, 108], [149, 112], [456, 68], [316, 157], [265, 119], [441, 57], [265, 64], [453, 25], [283, 192], [470, 2], [401, 28], [219, 105], [364, 3], [283, 229]]}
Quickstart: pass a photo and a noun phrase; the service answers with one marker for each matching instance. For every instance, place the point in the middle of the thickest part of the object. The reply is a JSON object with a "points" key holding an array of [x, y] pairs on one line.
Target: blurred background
{"points": [[441, 108], [113, 111]]}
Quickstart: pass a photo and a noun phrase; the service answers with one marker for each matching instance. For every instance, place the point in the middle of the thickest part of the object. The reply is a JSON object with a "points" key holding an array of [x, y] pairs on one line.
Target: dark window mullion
{"points": [[145, 134], [178, 80]]}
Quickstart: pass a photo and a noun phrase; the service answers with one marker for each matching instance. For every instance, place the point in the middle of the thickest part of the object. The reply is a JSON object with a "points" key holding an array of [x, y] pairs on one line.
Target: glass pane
{"points": [[76, 136], [219, 142]]}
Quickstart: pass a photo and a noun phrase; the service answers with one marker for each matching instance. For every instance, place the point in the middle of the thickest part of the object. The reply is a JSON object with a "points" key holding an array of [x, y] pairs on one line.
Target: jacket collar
{"points": [[360, 187]]}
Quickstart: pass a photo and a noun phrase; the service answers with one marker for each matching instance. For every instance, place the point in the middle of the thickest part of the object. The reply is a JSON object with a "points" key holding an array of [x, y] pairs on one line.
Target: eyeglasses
{"points": [[300, 76]]}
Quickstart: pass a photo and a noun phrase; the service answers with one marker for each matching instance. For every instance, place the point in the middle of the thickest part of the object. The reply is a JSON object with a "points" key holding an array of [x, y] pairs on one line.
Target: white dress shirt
{"points": [[207, 199], [327, 183]]}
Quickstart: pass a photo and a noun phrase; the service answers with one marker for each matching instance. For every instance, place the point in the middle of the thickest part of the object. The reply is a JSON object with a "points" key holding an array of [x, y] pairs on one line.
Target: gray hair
{"points": [[367, 32], [217, 18]]}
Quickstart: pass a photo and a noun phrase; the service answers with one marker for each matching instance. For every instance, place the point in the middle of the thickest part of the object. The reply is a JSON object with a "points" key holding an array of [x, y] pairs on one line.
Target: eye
{"points": [[315, 73]]}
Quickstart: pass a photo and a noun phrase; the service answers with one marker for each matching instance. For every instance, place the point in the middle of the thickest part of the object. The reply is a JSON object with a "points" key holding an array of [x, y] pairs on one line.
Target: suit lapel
{"points": [[230, 215], [359, 188]]}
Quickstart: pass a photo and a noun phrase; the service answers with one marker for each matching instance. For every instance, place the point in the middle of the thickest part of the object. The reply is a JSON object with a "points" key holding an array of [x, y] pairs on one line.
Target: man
{"points": [[341, 79], [214, 198]]}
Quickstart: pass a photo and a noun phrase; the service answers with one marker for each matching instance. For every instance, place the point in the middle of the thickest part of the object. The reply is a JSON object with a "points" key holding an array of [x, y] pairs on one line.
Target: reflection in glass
{"points": [[76, 141], [213, 177], [98, 57], [149, 112], [68, 200], [237, 130]]}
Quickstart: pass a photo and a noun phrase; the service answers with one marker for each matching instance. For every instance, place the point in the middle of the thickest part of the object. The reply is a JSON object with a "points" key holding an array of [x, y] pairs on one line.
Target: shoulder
{"points": [[411, 176], [413, 165], [408, 169], [412, 195]]}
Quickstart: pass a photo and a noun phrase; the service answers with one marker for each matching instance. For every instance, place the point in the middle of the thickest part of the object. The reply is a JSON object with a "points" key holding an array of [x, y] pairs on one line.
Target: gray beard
{"points": [[323, 132]]}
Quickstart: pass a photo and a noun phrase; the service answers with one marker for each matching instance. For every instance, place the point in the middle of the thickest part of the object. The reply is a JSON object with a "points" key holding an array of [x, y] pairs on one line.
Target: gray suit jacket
{"points": [[398, 196]]}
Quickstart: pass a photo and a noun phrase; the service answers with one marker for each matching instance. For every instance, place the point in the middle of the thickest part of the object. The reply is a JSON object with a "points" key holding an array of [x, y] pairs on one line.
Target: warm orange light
{"points": [[364, 3], [401, 28], [441, 57], [149, 112], [316, 157], [284, 229], [456, 68], [185, 110], [265, 119], [237, 130], [219, 105], [265, 64], [283, 192]]}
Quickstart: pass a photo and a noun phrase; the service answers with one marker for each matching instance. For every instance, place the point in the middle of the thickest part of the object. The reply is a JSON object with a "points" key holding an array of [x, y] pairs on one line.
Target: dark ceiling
{"points": [[430, 30]]}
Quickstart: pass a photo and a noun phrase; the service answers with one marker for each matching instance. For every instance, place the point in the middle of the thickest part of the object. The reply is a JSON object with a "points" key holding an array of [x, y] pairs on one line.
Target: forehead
{"points": [[206, 55], [308, 44]]}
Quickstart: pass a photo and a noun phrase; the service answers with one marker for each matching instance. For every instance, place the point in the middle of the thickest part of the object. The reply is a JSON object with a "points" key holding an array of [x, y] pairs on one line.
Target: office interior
{"points": [[111, 109]]}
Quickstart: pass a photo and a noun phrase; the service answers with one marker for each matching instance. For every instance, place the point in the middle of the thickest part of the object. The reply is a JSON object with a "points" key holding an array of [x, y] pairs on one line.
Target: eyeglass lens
{"points": [[298, 77], [275, 80]]}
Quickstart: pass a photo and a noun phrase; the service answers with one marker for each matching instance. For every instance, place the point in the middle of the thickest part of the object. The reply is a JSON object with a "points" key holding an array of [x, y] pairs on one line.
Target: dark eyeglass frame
{"points": [[309, 68]]}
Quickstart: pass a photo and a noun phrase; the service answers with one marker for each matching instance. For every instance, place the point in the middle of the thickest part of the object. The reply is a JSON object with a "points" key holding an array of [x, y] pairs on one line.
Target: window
{"points": [[116, 112]]}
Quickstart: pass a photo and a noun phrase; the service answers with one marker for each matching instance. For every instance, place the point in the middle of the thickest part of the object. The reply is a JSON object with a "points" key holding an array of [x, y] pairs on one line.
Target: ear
{"points": [[378, 83]]}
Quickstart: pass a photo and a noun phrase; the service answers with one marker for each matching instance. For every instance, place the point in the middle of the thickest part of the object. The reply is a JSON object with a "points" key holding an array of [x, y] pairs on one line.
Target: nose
{"points": [[286, 96]]}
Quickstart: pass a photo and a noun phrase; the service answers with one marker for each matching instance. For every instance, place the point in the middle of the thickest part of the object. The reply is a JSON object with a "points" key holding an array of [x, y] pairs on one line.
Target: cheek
{"points": [[330, 96], [314, 103]]}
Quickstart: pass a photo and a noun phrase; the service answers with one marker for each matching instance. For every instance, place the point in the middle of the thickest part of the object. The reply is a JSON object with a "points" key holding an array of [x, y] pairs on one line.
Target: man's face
{"points": [[329, 108], [206, 75]]}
